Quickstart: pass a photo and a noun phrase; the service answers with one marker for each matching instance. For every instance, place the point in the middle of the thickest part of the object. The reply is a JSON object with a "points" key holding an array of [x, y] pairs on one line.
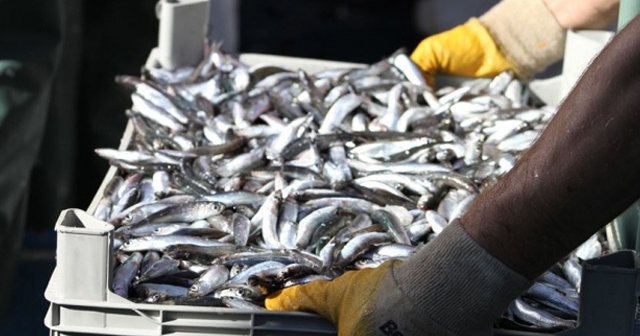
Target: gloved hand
{"points": [[452, 286], [347, 301], [467, 50]]}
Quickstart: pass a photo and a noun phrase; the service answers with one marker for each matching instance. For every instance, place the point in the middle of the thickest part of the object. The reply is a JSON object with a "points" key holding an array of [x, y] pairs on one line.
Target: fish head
{"points": [[127, 220], [218, 207], [156, 297], [194, 290]]}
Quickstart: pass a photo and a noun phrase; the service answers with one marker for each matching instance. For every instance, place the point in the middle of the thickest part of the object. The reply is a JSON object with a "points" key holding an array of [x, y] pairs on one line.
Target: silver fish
{"points": [[159, 243], [338, 112], [154, 113], [187, 212], [361, 244], [124, 274], [209, 281], [308, 224], [538, 317]]}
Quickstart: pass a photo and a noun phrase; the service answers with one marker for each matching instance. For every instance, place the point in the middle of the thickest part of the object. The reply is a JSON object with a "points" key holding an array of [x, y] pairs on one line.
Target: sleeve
{"points": [[527, 33], [452, 286]]}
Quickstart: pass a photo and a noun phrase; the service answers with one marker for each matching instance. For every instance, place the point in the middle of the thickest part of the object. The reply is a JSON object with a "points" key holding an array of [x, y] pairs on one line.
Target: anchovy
{"points": [[269, 221], [161, 267], [256, 257], [241, 163], [241, 304], [292, 131], [388, 251], [233, 198], [338, 111], [550, 297], [308, 224], [354, 204], [408, 69], [135, 214], [244, 276], [361, 244], [202, 254], [187, 212], [159, 243], [124, 274], [573, 271], [209, 281], [103, 209], [392, 224], [241, 227], [287, 224], [149, 259], [154, 113], [238, 291], [159, 292], [424, 168], [539, 317], [127, 156]]}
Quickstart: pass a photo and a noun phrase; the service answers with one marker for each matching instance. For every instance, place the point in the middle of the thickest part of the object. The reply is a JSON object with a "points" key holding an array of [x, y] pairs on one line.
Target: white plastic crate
{"points": [[82, 304]]}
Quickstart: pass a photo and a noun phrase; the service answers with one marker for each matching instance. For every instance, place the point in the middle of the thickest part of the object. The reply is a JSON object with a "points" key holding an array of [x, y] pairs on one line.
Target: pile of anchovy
{"points": [[243, 180]]}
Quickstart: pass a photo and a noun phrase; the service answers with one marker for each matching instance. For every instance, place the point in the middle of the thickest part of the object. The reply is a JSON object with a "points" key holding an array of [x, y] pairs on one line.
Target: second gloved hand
{"points": [[467, 50]]}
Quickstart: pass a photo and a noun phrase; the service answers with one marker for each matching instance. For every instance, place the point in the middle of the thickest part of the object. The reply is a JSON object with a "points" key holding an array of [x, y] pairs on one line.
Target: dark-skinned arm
{"points": [[582, 172]]}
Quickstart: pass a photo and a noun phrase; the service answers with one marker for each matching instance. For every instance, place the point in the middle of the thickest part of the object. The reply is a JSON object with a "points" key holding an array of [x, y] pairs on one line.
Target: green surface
{"points": [[628, 10], [626, 231]]}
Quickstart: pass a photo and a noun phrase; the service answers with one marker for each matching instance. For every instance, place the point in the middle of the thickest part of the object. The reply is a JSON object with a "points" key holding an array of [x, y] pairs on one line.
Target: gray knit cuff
{"points": [[451, 287]]}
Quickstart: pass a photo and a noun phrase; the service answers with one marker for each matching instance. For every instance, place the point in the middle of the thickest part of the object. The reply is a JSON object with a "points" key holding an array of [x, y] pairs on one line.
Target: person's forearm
{"points": [[580, 174], [584, 14]]}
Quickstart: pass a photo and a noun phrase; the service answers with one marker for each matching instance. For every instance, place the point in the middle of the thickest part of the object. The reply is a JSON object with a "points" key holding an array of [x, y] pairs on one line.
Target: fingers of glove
{"points": [[308, 297], [343, 300], [466, 50], [493, 60], [323, 297], [457, 51]]}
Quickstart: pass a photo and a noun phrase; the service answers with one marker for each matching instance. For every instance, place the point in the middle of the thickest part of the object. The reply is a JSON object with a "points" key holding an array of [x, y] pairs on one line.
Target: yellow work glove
{"points": [[345, 301], [467, 50]]}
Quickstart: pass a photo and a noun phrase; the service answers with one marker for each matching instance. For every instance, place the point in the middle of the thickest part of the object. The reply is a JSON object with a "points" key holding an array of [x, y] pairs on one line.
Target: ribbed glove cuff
{"points": [[451, 287]]}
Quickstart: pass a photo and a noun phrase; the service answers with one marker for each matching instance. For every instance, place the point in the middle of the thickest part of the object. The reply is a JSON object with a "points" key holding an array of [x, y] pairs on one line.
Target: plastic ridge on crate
{"points": [[83, 304]]}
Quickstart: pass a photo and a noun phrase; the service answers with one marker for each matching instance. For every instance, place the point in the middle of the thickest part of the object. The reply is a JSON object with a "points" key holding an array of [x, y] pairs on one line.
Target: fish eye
{"points": [[240, 291], [194, 288], [153, 298]]}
